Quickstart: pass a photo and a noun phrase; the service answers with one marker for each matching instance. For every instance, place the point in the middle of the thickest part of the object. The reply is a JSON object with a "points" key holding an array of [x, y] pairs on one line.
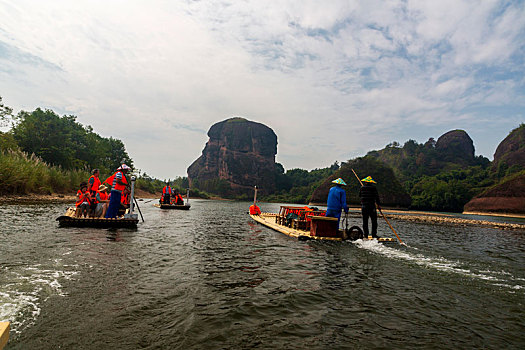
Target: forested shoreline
{"points": [[44, 153]]}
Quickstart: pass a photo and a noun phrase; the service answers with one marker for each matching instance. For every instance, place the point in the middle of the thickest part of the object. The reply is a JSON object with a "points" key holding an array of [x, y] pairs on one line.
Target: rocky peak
{"points": [[511, 151], [456, 146], [238, 155]]}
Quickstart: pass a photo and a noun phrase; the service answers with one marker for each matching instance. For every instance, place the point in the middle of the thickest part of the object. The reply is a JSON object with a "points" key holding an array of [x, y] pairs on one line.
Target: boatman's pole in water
{"points": [[384, 217], [133, 200], [187, 196]]}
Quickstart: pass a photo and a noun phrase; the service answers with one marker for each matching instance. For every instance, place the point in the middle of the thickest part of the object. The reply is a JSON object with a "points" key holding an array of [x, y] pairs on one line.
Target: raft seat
{"points": [[301, 224]]}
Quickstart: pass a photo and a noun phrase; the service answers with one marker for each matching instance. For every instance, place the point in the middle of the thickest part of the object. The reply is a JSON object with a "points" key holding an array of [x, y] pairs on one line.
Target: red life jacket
{"points": [[166, 190], [254, 210], [113, 181], [103, 196], [81, 197], [96, 183], [125, 199]]}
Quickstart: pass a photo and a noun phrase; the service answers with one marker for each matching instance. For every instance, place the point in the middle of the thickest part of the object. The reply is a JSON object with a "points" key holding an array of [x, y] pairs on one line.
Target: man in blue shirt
{"points": [[336, 200]]}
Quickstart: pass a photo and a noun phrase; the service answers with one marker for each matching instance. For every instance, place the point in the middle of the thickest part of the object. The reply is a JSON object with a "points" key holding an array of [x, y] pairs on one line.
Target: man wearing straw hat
{"points": [[336, 200], [369, 197]]}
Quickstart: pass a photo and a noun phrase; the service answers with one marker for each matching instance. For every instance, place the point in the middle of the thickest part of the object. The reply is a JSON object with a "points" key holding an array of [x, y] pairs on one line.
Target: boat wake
{"points": [[497, 278], [24, 289]]}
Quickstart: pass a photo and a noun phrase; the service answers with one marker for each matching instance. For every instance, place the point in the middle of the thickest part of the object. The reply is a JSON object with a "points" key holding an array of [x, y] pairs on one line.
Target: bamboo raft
{"points": [[172, 206], [69, 220], [4, 334], [308, 225]]}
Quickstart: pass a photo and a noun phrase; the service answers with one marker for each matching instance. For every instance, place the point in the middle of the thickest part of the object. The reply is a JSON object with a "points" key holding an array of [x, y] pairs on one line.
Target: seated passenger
{"points": [[83, 201], [124, 201], [102, 200], [177, 198]]}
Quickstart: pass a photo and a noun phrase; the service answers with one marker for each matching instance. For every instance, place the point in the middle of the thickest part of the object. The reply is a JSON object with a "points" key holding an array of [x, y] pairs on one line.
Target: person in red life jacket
{"points": [[94, 182], [118, 184], [83, 201], [93, 185], [177, 198], [124, 201], [254, 209], [166, 194], [102, 201]]}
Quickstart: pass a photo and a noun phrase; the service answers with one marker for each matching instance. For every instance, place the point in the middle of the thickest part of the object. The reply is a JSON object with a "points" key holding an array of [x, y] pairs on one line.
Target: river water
{"points": [[210, 278]]}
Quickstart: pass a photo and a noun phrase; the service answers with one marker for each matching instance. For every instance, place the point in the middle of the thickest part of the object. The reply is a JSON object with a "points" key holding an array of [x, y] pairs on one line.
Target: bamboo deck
{"points": [[268, 220], [69, 220], [4, 334]]}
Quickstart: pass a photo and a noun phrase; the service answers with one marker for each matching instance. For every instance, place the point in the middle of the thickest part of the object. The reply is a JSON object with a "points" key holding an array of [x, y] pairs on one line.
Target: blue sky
{"points": [[333, 79]]}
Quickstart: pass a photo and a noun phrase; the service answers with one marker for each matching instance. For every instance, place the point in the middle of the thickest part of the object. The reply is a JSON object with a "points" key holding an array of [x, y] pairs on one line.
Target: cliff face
{"points": [[507, 197], [391, 193], [511, 151], [238, 155], [456, 146], [509, 162]]}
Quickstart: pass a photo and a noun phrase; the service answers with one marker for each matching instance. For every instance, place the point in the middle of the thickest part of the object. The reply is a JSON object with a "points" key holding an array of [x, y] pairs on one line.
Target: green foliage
{"points": [[61, 141], [449, 191], [7, 142], [219, 186], [297, 185], [23, 174]]}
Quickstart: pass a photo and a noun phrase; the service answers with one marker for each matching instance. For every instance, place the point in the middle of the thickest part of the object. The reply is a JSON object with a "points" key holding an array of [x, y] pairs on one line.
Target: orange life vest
{"points": [[81, 197], [103, 196], [254, 210], [166, 190], [125, 199], [96, 183], [113, 181]]}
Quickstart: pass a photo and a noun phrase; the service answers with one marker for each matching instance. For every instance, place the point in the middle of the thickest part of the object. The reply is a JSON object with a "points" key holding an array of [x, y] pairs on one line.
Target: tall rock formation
{"points": [[238, 155], [456, 146], [511, 151], [509, 163]]}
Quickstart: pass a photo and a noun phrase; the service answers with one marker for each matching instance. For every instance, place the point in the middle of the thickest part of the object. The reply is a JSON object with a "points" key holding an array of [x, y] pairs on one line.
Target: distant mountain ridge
{"points": [[391, 191], [442, 175]]}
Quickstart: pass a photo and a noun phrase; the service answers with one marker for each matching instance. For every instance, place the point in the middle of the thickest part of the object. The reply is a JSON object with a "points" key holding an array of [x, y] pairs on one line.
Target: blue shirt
{"points": [[337, 199]]}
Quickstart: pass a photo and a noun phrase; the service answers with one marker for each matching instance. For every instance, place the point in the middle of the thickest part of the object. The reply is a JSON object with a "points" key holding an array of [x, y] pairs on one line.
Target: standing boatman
{"points": [[369, 197], [336, 200], [118, 184], [166, 194]]}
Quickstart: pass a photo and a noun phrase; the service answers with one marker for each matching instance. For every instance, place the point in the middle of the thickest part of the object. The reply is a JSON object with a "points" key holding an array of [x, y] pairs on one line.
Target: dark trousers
{"points": [[166, 199], [369, 211], [114, 204]]}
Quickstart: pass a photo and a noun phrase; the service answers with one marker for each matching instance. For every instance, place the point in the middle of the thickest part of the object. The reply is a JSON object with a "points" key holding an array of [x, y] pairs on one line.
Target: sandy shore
{"points": [[440, 219]]}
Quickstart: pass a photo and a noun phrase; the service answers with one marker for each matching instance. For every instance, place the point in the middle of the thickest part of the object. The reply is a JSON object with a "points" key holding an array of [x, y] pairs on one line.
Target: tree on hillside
{"points": [[64, 142]]}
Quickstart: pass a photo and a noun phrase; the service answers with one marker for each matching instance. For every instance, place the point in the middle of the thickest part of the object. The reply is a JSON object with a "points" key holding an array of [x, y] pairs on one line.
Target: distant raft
{"points": [[173, 206], [69, 220]]}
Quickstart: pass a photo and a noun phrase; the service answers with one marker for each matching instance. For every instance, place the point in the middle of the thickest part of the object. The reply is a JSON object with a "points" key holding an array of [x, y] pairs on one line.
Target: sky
{"points": [[333, 79]]}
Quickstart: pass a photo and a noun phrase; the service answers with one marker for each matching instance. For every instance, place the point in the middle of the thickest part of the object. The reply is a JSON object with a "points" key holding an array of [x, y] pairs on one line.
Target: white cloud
{"points": [[331, 78]]}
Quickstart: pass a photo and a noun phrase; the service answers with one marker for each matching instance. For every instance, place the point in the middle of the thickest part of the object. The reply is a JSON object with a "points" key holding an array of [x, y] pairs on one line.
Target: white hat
{"points": [[124, 167]]}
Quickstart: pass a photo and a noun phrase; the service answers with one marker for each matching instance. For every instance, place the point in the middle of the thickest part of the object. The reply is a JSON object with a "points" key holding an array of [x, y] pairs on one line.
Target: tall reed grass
{"points": [[21, 173]]}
